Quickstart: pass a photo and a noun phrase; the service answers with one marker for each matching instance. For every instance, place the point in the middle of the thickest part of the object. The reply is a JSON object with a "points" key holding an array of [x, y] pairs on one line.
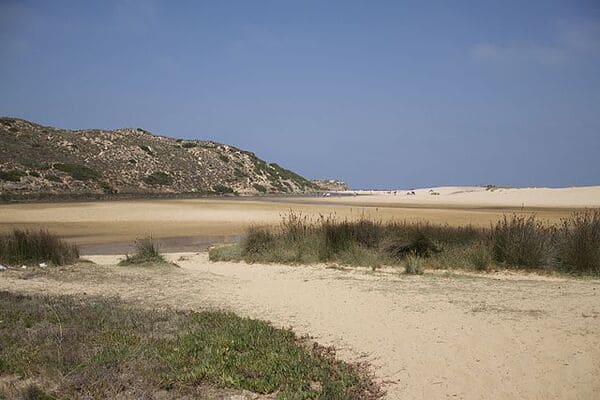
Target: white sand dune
{"points": [[474, 196]]}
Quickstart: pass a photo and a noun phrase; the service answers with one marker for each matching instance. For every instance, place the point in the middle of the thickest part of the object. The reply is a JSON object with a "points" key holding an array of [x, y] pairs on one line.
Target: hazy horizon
{"points": [[383, 96]]}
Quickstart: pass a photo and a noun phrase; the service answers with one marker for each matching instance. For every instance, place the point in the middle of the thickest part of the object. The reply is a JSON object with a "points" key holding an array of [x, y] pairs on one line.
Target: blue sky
{"points": [[380, 94]]}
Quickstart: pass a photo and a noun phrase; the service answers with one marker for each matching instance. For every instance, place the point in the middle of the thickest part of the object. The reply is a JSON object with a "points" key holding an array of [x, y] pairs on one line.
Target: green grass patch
{"points": [[105, 348], [33, 247], [79, 172]]}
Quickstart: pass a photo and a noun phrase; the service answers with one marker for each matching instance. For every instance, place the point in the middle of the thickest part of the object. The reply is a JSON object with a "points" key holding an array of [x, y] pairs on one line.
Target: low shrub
{"points": [[13, 175], [29, 247], [222, 189], [158, 178], [53, 178], [147, 252], [189, 145], [260, 188], [78, 172]]}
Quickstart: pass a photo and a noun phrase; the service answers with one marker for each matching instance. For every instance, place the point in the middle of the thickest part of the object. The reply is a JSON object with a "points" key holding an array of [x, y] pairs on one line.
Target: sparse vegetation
{"points": [[189, 145], [105, 348], [79, 172], [513, 242], [28, 247], [158, 178], [147, 252]]}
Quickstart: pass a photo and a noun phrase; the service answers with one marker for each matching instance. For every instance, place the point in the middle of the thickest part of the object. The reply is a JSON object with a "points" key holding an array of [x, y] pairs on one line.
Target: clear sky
{"points": [[380, 94]]}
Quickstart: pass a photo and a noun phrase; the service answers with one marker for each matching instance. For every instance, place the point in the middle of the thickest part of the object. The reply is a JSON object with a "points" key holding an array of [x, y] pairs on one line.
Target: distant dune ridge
{"points": [[42, 161]]}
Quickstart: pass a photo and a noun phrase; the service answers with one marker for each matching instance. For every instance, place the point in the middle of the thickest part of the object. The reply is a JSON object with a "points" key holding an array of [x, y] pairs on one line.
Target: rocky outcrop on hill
{"points": [[332, 185], [41, 161]]}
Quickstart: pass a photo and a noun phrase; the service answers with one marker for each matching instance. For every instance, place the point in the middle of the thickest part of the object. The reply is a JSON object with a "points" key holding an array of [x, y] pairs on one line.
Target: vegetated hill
{"points": [[38, 162]]}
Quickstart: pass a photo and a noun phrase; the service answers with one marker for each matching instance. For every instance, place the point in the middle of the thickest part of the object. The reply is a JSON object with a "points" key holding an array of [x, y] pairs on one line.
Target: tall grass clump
{"points": [[578, 243], [413, 265], [29, 247], [146, 252], [521, 241]]}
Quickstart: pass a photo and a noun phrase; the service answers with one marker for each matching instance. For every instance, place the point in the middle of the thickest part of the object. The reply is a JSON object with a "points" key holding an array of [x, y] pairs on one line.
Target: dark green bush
{"points": [[222, 189], [27, 247], [158, 178], [260, 188], [13, 175], [79, 172], [53, 178], [189, 145]]}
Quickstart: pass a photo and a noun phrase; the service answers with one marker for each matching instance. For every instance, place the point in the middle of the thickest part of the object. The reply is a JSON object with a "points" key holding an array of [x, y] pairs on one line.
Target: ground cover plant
{"points": [[146, 252], [34, 247], [513, 242], [66, 347]]}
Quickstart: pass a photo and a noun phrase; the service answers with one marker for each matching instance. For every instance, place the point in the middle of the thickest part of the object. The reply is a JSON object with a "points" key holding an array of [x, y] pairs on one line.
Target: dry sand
{"points": [[497, 336]]}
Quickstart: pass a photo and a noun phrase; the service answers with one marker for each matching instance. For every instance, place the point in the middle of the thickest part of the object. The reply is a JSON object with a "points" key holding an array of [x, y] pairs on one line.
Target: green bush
{"points": [[79, 172], [222, 189], [13, 175], [578, 243], [28, 247], [53, 178], [147, 252], [260, 188], [158, 178], [257, 241], [189, 145], [34, 174]]}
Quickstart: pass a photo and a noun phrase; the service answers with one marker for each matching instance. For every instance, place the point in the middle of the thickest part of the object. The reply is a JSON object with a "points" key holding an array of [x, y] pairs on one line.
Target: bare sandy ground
{"points": [[497, 336], [113, 222]]}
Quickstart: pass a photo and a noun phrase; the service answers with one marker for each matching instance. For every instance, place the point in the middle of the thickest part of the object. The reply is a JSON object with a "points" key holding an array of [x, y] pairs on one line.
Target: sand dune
{"points": [[475, 196]]}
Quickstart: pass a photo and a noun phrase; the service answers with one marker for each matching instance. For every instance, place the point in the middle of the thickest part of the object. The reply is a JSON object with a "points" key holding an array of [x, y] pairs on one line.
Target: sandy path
{"points": [[426, 337]]}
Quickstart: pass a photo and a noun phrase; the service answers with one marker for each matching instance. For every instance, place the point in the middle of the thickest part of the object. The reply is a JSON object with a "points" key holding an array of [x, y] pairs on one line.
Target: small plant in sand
{"points": [[413, 265], [147, 252]]}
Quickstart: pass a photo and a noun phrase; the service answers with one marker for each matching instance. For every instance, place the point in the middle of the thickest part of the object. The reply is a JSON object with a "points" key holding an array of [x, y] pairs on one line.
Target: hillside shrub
{"points": [[78, 172], [158, 178]]}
